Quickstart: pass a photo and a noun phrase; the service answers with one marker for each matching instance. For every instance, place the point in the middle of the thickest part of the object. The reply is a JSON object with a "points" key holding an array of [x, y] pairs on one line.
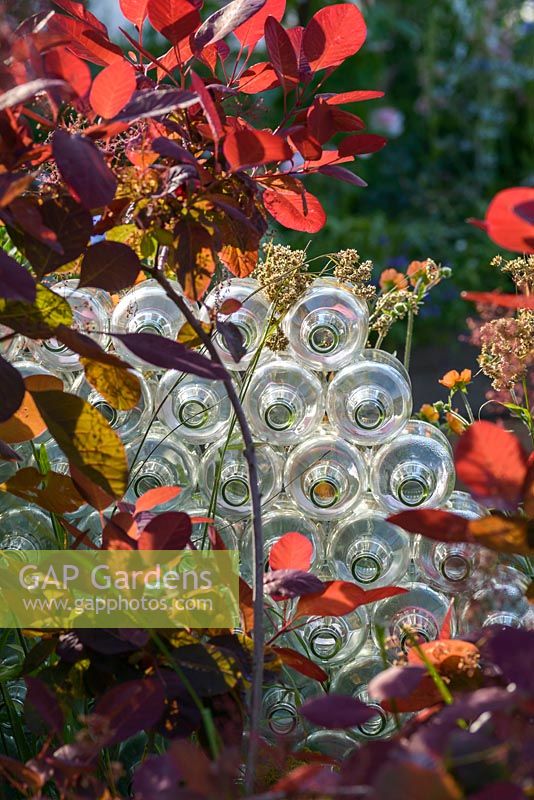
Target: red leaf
{"points": [[333, 34], [248, 147], [296, 36], [352, 97], [304, 142], [246, 605], [83, 169], [155, 497], [281, 53], [61, 63], [300, 663], [175, 19], [251, 31], [131, 707], [258, 78], [442, 526], [91, 492], [328, 157], [224, 21], [291, 551], [492, 463], [503, 300], [504, 226], [340, 598], [134, 10], [112, 89], [424, 695], [82, 41], [361, 143], [209, 107], [120, 532], [319, 119], [345, 121], [300, 211], [170, 530], [79, 11]]}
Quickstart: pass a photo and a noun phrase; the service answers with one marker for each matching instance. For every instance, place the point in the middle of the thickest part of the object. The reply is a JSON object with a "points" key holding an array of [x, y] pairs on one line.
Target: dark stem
{"points": [[257, 549]]}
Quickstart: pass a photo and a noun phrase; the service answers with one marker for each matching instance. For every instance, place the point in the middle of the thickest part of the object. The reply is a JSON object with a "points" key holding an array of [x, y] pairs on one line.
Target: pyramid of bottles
{"points": [[337, 454]]}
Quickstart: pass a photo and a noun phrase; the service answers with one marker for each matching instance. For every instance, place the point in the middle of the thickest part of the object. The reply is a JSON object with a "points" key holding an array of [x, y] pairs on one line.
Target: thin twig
{"points": [[257, 550]]}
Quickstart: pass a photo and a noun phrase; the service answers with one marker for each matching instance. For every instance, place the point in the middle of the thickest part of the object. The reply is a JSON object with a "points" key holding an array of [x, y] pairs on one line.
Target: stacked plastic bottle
{"points": [[337, 454]]}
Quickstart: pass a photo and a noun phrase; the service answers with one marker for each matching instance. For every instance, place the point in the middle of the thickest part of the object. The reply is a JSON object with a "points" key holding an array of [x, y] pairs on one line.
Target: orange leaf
{"points": [[291, 551], [300, 210], [446, 655], [425, 694], [504, 534], [154, 497], [300, 663], [27, 423], [340, 598], [248, 147], [112, 88]]}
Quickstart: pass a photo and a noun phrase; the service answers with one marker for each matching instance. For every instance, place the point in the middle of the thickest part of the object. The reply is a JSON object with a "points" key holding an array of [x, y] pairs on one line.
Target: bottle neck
{"points": [[281, 407], [324, 331], [234, 486], [369, 407], [325, 484], [412, 483]]}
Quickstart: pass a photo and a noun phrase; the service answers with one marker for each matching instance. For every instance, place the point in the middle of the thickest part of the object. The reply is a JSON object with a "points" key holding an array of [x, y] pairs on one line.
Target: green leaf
{"points": [[86, 438], [36, 320]]}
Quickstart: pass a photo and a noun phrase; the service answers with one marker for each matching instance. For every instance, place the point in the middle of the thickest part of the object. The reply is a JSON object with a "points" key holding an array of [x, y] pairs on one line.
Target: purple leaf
{"points": [[12, 389], [16, 283], [525, 211], [131, 707], [233, 339], [342, 174], [83, 168], [169, 149], [154, 103], [170, 530], [112, 266], [287, 583], [25, 91], [224, 21], [165, 353], [44, 702], [104, 640], [7, 453], [157, 776], [336, 711], [396, 682], [512, 650]]}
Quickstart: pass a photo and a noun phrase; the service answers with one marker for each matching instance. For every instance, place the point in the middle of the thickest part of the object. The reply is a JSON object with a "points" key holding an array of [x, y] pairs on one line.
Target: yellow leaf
{"points": [[26, 423], [189, 337], [53, 492], [86, 438], [38, 319], [117, 385], [505, 534]]}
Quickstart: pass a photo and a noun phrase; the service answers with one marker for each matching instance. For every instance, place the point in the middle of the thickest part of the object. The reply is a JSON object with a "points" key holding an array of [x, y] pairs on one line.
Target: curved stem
{"points": [[257, 549]]}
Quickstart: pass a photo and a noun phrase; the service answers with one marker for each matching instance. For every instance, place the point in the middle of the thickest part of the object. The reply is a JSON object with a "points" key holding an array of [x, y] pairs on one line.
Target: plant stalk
{"points": [[250, 456]]}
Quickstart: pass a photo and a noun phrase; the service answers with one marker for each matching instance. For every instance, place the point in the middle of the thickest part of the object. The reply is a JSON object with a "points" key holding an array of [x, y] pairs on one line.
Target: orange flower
{"points": [[456, 380], [454, 424], [416, 270], [428, 413], [391, 279]]}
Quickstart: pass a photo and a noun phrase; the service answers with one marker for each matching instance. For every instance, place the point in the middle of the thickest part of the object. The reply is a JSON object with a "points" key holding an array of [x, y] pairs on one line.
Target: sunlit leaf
{"points": [[188, 335], [333, 34], [299, 211], [86, 439], [134, 10], [247, 147], [251, 31], [61, 63], [224, 21], [291, 551], [112, 88], [36, 320], [340, 598], [175, 19], [195, 258], [54, 492], [155, 497], [119, 387], [300, 663], [27, 422]]}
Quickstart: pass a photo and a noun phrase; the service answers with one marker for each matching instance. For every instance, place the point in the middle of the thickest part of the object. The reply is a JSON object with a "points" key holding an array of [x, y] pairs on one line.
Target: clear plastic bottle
{"points": [[281, 518], [325, 476], [353, 680], [162, 460], [367, 549], [327, 326], [415, 470], [501, 601], [280, 709], [26, 527], [251, 318], [370, 401], [335, 744], [198, 408], [10, 349], [416, 616], [284, 401], [91, 310], [233, 495], [194, 505], [129, 424], [452, 567], [145, 308]]}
